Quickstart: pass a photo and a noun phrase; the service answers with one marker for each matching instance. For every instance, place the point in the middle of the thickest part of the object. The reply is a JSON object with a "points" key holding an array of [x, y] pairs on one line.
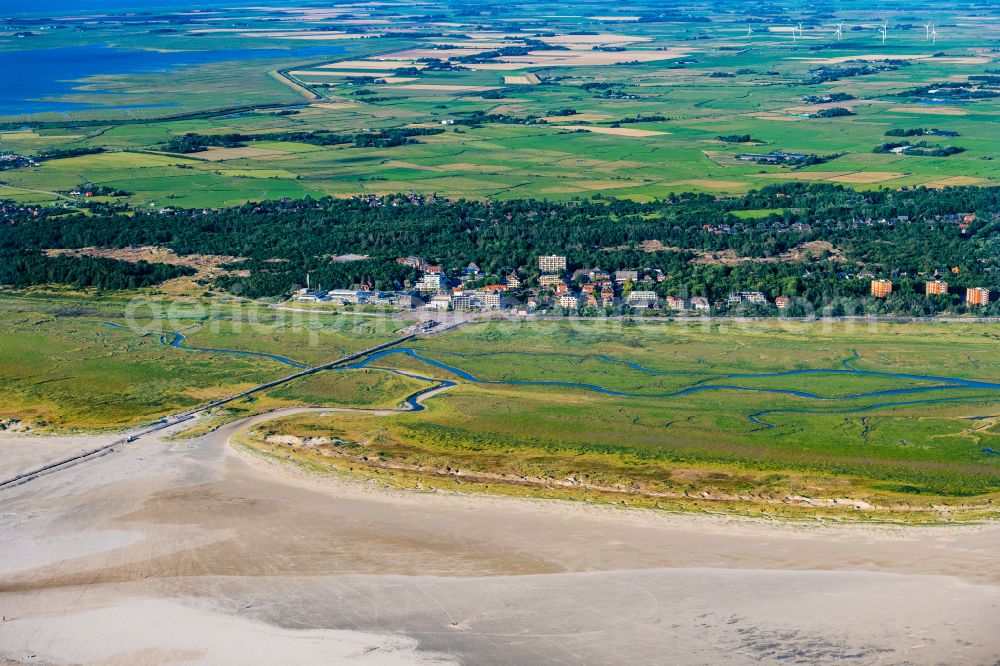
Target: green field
{"points": [[74, 361], [702, 79], [878, 420]]}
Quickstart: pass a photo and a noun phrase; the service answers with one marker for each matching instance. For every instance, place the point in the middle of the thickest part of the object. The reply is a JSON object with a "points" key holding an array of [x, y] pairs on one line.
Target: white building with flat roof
{"points": [[551, 263], [569, 301], [440, 302], [429, 282], [747, 297], [642, 299], [489, 298]]}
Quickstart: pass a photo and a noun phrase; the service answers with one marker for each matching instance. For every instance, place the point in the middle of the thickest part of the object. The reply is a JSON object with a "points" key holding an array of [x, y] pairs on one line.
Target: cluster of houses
{"points": [[394, 200], [961, 220], [15, 161], [595, 288], [776, 157], [584, 288], [473, 289], [10, 212]]}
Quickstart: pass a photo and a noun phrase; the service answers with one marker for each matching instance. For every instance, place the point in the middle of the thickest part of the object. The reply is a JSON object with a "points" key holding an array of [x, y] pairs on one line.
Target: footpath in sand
{"points": [[186, 551]]}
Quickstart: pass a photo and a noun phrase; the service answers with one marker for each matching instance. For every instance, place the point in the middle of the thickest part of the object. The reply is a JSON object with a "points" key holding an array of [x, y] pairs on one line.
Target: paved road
{"points": [[25, 189]]}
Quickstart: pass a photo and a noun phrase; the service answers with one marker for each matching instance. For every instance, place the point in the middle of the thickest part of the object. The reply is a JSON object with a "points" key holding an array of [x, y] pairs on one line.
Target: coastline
{"points": [[191, 531]]}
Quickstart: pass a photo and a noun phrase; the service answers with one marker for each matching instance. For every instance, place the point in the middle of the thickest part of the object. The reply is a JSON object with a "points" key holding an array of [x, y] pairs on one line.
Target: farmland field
{"points": [[576, 104]]}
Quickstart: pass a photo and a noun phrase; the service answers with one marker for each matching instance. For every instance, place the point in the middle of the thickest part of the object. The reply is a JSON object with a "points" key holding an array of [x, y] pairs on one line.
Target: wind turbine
{"points": [[839, 32], [749, 31], [933, 35], [927, 30], [800, 29], [885, 31]]}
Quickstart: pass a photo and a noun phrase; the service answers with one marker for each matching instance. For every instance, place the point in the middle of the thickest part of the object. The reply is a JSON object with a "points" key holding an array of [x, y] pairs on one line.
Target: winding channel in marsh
{"points": [[945, 383], [178, 342], [706, 383]]}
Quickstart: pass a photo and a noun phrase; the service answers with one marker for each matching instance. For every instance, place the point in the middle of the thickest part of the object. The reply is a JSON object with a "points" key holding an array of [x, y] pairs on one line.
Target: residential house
{"points": [[700, 303], [676, 303], [621, 277], [597, 275], [413, 262], [782, 302], [607, 296]]}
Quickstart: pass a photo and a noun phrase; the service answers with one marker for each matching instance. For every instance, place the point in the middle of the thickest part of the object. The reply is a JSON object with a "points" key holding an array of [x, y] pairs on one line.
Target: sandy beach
{"points": [[189, 552]]}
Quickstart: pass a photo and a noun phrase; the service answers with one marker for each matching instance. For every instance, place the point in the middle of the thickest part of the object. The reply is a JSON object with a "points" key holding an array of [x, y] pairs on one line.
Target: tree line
{"points": [[894, 234], [27, 269], [194, 143]]}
